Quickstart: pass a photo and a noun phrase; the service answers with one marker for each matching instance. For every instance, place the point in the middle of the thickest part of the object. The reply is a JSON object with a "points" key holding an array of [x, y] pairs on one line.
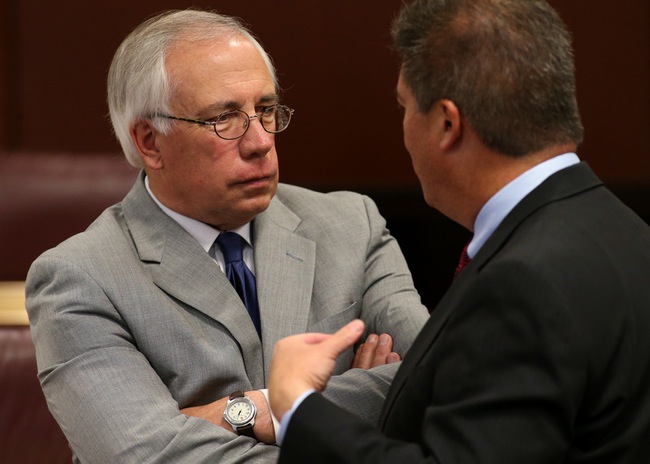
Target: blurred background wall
{"points": [[337, 70], [60, 165]]}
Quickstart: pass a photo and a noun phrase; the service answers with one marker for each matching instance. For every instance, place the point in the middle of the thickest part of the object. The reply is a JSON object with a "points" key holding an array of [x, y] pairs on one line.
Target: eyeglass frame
{"points": [[216, 118]]}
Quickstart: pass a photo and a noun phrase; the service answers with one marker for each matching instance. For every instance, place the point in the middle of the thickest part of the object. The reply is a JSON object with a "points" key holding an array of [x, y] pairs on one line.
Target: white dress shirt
{"points": [[206, 236]]}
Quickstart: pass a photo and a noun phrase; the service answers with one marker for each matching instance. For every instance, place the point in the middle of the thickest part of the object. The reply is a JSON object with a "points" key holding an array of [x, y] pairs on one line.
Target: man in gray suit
{"points": [[142, 341]]}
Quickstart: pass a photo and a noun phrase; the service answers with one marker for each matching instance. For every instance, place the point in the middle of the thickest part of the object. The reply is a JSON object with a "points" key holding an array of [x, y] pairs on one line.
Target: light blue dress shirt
{"points": [[498, 207]]}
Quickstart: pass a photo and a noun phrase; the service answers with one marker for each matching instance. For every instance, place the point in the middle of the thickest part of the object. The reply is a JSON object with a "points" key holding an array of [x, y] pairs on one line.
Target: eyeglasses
{"points": [[234, 124]]}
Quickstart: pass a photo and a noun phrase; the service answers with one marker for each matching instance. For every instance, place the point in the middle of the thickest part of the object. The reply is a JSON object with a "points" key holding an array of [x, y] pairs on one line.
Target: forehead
{"points": [[208, 71], [402, 90]]}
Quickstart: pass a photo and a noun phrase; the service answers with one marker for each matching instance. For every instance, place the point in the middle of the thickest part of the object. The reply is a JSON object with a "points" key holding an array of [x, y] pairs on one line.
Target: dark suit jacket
{"points": [[538, 353]]}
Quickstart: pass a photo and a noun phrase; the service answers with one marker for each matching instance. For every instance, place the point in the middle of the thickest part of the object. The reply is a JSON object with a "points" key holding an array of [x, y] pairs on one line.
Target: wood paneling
{"points": [[612, 53], [337, 70], [4, 68]]}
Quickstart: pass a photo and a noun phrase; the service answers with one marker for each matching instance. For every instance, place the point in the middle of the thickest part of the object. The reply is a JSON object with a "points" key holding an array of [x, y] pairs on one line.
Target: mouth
{"points": [[257, 181]]}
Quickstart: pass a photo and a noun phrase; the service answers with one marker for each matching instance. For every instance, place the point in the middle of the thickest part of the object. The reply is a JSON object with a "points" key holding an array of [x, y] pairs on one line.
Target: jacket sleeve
{"points": [[109, 401], [390, 305], [320, 441]]}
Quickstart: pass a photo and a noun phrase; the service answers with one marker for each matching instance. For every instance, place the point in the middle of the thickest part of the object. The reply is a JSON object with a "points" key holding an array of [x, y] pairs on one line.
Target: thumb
{"points": [[345, 337]]}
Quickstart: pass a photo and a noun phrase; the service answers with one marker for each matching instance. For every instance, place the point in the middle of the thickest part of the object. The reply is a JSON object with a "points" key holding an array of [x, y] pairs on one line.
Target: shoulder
{"points": [[106, 237], [318, 214], [306, 202]]}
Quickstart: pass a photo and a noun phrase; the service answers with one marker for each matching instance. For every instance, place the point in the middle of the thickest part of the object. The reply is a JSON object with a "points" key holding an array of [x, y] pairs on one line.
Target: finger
{"points": [[313, 338], [356, 362], [384, 347], [366, 353], [344, 338], [393, 358]]}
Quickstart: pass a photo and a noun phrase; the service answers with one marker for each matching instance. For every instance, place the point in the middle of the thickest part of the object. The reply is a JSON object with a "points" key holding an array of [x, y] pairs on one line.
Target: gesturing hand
{"points": [[306, 361]]}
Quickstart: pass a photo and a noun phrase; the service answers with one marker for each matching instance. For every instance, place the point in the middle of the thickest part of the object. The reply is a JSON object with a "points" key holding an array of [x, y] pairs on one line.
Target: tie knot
{"points": [[232, 246]]}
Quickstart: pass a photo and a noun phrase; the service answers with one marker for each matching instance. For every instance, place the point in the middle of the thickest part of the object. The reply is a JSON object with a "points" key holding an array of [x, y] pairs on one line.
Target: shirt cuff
{"points": [[279, 437], [276, 423]]}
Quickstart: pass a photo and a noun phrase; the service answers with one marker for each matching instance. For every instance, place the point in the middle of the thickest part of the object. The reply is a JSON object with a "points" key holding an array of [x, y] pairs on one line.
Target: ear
{"points": [[453, 125], [144, 136]]}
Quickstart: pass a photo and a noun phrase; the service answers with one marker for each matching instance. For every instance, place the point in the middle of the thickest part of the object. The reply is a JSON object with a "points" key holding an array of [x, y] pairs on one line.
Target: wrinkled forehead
{"points": [[211, 46], [187, 53], [225, 69]]}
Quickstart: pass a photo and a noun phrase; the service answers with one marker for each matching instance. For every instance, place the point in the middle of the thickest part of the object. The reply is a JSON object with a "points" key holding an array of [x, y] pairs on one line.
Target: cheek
{"points": [[407, 133], [412, 139], [413, 126]]}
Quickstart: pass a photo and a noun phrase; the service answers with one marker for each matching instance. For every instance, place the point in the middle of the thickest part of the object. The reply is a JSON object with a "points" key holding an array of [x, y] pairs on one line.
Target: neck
{"points": [[493, 171]]}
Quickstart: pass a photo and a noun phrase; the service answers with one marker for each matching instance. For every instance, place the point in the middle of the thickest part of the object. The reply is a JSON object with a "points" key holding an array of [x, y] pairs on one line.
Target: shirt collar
{"points": [[203, 233], [501, 203]]}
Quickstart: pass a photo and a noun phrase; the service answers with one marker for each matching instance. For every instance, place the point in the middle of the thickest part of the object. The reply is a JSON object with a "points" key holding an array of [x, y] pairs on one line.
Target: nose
{"points": [[256, 141]]}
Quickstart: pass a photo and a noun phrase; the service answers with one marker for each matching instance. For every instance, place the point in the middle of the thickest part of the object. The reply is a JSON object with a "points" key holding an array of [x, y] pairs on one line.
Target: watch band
{"points": [[247, 431], [236, 394]]}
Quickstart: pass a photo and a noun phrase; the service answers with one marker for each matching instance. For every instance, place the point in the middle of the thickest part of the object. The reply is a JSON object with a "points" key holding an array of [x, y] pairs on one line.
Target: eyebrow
{"points": [[397, 96], [231, 105]]}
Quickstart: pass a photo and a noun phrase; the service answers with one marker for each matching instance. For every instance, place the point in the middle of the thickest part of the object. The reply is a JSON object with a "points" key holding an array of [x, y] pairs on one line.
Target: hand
{"points": [[375, 351], [306, 361], [213, 412]]}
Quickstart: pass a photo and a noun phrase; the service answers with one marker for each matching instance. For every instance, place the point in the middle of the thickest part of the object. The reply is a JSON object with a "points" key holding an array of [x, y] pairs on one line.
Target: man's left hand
{"points": [[213, 412], [375, 351]]}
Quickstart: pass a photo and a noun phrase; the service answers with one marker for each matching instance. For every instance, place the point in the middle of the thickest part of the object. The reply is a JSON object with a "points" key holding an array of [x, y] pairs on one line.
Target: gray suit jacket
{"points": [[133, 321]]}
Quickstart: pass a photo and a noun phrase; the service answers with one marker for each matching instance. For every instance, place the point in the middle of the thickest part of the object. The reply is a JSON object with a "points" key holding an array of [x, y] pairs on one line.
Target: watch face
{"points": [[240, 412]]}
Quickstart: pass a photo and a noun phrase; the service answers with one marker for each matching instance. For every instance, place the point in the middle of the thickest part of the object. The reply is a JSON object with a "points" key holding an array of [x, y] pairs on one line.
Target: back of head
{"points": [[507, 64], [138, 82]]}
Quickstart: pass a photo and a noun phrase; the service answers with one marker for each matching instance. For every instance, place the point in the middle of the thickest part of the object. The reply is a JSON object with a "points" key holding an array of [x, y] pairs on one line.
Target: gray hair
{"points": [[506, 64], [138, 81]]}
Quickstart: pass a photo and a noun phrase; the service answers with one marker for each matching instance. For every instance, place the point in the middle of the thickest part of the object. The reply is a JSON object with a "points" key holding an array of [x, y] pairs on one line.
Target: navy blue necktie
{"points": [[232, 246]]}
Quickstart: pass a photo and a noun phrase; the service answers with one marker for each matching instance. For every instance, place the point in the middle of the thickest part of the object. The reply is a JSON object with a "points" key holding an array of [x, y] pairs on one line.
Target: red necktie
{"points": [[464, 261]]}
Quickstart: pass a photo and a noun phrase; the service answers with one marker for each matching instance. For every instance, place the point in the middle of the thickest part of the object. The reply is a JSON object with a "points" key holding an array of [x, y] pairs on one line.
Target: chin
{"points": [[253, 204], [430, 200], [257, 205]]}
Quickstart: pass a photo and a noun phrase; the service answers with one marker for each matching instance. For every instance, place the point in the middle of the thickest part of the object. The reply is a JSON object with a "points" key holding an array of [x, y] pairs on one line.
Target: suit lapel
{"points": [[563, 184], [422, 344], [181, 268], [284, 271]]}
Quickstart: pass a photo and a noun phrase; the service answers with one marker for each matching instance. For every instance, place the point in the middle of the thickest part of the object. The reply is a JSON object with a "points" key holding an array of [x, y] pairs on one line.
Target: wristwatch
{"points": [[240, 413]]}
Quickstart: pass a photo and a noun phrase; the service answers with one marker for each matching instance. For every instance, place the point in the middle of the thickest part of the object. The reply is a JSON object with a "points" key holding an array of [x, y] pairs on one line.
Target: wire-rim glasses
{"points": [[232, 125]]}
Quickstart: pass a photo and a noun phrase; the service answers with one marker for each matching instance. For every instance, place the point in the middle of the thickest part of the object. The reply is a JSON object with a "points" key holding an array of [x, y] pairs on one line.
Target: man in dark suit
{"points": [[539, 352]]}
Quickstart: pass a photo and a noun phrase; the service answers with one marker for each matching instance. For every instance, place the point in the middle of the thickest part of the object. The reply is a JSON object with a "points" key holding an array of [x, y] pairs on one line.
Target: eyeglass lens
{"points": [[234, 123]]}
